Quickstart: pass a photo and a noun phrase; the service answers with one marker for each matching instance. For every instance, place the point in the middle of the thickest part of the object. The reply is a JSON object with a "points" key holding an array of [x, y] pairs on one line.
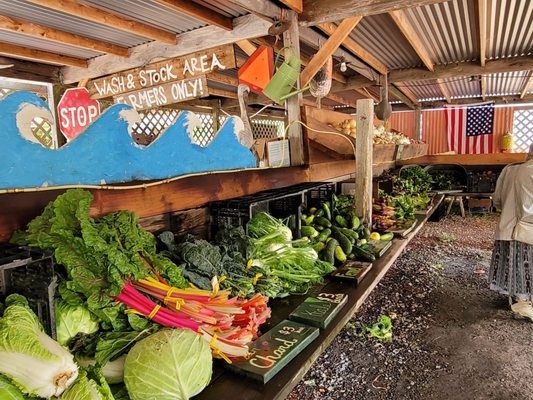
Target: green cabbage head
{"points": [[36, 363], [172, 364], [71, 320]]}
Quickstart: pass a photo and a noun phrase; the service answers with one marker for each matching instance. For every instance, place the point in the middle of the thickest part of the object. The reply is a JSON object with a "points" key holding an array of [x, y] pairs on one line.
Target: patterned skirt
{"points": [[511, 269]]}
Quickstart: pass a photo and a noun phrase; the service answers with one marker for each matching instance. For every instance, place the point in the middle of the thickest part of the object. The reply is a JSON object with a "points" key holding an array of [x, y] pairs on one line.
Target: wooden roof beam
{"points": [[366, 94], [403, 24], [319, 11], [248, 47], [22, 69], [527, 84], [482, 19], [26, 53], [341, 100], [328, 48], [198, 11], [483, 86], [351, 45], [245, 27], [102, 17], [444, 90], [54, 35], [265, 9], [445, 71], [405, 95], [295, 5]]}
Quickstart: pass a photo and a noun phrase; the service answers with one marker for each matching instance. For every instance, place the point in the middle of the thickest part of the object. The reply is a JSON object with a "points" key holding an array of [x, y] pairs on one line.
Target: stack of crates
{"points": [[482, 181], [286, 204], [30, 272]]}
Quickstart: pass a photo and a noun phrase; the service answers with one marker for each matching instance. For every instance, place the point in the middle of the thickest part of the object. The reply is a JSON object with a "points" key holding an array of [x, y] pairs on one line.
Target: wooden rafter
{"points": [[366, 94], [444, 90], [527, 84], [351, 45], [295, 5], [445, 71], [262, 8], [482, 19], [483, 85], [341, 100], [246, 46], [199, 11], [32, 71], [319, 11], [414, 40], [405, 95], [39, 55], [245, 27], [328, 48], [99, 16], [54, 35]]}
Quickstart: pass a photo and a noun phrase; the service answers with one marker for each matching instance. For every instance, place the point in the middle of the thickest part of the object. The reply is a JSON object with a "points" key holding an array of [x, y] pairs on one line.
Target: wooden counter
{"points": [[466, 159], [229, 385]]}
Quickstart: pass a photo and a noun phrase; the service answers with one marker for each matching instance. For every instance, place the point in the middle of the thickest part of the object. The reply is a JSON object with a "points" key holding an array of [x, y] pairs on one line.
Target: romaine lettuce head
{"points": [[73, 319], [8, 391], [36, 363], [90, 385], [172, 364]]}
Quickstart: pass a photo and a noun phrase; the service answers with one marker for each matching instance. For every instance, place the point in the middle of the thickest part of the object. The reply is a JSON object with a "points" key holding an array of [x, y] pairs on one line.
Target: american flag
{"points": [[470, 129]]}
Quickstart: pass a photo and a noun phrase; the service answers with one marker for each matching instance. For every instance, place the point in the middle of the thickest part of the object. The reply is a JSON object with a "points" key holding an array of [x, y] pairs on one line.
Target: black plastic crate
{"points": [[30, 272], [481, 181], [318, 193]]}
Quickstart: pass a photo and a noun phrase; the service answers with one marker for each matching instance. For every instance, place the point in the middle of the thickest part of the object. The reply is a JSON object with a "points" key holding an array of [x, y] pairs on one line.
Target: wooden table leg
{"points": [[461, 206], [452, 199]]}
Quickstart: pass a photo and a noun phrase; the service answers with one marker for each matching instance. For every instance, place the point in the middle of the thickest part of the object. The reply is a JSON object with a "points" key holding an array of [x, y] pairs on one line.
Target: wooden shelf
{"points": [[466, 159], [234, 386]]}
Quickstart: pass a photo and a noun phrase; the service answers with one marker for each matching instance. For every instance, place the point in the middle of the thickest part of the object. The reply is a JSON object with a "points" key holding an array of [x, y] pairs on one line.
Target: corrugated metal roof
{"points": [[463, 87], [509, 28], [448, 30], [24, 10], [150, 13], [46, 45], [424, 90], [223, 7], [508, 83], [379, 35]]}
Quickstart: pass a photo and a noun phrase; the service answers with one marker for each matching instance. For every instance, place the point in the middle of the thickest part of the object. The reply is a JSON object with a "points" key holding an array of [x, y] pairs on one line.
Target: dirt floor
{"points": [[452, 337]]}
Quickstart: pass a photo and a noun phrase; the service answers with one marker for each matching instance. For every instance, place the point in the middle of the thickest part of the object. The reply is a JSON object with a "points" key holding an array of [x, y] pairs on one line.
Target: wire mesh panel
{"points": [[522, 130]]}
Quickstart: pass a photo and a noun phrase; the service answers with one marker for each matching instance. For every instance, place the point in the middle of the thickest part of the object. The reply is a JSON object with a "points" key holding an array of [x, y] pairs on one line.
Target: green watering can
{"points": [[282, 83]]}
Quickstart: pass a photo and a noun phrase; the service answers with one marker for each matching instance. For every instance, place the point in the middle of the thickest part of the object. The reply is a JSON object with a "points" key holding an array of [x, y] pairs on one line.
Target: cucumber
{"points": [[309, 231], [312, 210], [319, 246], [323, 236], [343, 241], [319, 213], [318, 227], [339, 254], [363, 255], [350, 233], [387, 236], [322, 221], [327, 210], [341, 221], [309, 220], [366, 233], [329, 251], [355, 222]]}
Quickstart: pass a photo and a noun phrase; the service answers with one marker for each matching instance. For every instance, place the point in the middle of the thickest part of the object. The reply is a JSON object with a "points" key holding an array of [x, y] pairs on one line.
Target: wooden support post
{"points": [[418, 124], [291, 38], [363, 159]]}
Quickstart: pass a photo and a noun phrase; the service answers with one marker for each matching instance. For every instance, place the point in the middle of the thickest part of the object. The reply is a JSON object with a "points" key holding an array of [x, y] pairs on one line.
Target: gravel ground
{"points": [[452, 337]]}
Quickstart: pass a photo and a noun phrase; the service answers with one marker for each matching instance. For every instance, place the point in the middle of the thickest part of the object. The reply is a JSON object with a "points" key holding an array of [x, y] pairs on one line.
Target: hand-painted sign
{"points": [[76, 111], [163, 72], [169, 93]]}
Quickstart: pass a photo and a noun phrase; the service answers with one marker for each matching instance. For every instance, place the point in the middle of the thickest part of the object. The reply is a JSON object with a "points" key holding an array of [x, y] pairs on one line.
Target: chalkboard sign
{"points": [[319, 310]]}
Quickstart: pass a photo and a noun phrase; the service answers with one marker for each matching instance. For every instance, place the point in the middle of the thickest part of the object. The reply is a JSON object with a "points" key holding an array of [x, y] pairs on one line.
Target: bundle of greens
{"points": [[412, 181]]}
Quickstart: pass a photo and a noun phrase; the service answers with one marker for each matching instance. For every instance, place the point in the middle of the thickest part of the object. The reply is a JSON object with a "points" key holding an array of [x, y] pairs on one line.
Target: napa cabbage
{"points": [[90, 385], [172, 364], [8, 391], [36, 363]]}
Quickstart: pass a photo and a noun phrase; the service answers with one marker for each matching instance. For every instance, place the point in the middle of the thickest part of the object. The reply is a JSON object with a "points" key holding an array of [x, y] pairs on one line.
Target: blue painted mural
{"points": [[105, 151]]}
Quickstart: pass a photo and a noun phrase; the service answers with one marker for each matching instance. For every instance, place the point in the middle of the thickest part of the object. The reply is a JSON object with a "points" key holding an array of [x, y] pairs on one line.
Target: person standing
{"points": [[511, 270]]}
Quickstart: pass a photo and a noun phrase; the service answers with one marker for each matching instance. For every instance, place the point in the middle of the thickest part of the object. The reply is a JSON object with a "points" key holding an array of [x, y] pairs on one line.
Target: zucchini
{"points": [[329, 251], [363, 255], [350, 233], [343, 241], [366, 233], [341, 221], [339, 254], [387, 236], [324, 235], [322, 221], [309, 231]]}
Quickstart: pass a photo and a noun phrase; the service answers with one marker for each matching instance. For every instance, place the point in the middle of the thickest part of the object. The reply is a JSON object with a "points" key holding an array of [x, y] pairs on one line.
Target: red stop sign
{"points": [[76, 111]]}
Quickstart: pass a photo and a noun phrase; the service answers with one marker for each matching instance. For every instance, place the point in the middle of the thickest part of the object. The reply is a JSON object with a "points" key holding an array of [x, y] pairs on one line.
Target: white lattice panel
{"points": [[522, 130]]}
